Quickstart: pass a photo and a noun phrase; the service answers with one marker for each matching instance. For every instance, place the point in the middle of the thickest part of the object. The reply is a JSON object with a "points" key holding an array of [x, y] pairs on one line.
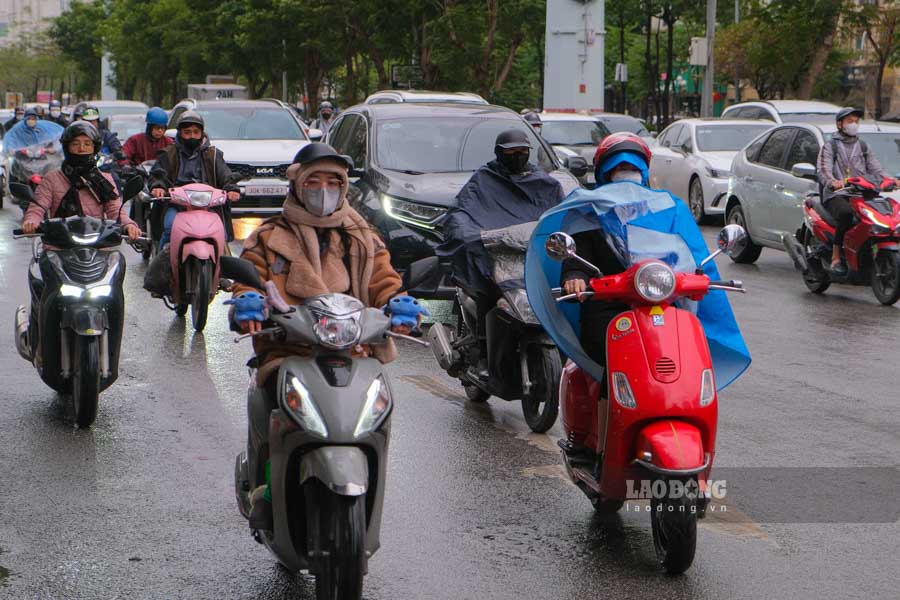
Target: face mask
{"points": [[321, 202], [633, 176], [54, 113], [31, 122], [326, 115], [190, 145], [514, 163], [80, 162], [851, 129]]}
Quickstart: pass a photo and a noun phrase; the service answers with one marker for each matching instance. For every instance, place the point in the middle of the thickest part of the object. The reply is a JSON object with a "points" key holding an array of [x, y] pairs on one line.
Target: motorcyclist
{"points": [[534, 119], [620, 157], [54, 113], [18, 115], [508, 190], [145, 146], [325, 118], [319, 244], [32, 134], [110, 141], [841, 158]]}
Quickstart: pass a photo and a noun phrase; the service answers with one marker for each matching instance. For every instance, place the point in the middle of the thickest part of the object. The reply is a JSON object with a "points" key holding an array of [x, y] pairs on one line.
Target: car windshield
{"points": [[251, 123], [106, 111], [619, 123], [808, 117], [446, 144], [573, 133], [125, 128], [886, 148], [715, 138]]}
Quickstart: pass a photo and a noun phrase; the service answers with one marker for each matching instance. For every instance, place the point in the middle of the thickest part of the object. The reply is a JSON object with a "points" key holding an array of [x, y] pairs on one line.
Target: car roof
{"points": [[719, 121], [437, 109], [113, 103], [561, 116], [864, 127], [793, 106], [201, 104], [428, 96]]}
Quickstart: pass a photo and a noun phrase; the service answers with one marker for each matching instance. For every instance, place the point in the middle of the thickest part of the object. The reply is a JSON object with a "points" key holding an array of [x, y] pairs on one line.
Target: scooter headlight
{"points": [[654, 281], [337, 333], [622, 390], [199, 199], [99, 291], [378, 404], [515, 302], [71, 291], [707, 388], [298, 403]]}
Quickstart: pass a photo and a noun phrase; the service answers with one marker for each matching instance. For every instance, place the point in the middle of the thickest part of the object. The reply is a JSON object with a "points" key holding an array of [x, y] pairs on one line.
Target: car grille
{"points": [[244, 171], [84, 265]]}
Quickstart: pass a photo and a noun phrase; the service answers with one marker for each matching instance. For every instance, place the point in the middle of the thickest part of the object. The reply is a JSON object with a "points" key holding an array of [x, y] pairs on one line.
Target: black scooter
{"points": [[73, 330]]}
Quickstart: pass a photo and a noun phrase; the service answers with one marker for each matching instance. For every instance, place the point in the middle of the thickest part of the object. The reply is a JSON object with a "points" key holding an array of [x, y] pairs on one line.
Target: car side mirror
{"points": [[133, 187], [654, 134], [316, 135], [240, 270], [804, 171], [355, 173], [577, 165]]}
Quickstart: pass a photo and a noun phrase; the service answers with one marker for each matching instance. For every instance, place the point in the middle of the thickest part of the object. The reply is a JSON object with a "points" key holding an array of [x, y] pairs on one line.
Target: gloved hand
{"points": [[249, 311], [406, 312]]}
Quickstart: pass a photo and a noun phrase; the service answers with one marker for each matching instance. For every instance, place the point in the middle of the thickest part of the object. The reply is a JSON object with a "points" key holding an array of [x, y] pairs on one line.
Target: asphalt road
{"points": [[142, 506]]}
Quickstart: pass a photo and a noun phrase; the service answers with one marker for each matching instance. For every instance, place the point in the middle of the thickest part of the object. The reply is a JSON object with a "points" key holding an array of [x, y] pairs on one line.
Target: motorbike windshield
{"points": [[506, 249], [44, 133], [640, 224]]}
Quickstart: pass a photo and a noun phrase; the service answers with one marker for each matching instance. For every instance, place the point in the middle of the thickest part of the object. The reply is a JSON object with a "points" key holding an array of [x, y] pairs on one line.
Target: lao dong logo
{"points": [[674, 489]]}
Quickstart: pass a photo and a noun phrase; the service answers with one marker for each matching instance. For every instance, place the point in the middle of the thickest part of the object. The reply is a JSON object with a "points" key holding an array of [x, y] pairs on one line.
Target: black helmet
{"points": [[318, 151], [80, 128], [55, 104], [512, 138], [190, 117], [846, 112], [533, 119]]}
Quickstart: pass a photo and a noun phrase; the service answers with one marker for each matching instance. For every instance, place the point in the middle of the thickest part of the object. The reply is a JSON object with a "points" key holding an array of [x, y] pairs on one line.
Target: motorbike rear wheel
{"points": [[202, 289], [337, 532], [674, 524], [541, 405], [86, 380], [815, 278], [886, 277]]}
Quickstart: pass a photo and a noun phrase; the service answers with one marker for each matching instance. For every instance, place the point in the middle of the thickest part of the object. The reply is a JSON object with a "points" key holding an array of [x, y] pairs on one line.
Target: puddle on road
{"points": [[4, 572]]}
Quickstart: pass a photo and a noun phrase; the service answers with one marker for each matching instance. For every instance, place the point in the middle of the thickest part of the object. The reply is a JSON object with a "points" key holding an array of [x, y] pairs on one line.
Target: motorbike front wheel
{"points": [[337, 531], [200, 301], [886, 277], [541, 405], [86, 380], [674, 523]]}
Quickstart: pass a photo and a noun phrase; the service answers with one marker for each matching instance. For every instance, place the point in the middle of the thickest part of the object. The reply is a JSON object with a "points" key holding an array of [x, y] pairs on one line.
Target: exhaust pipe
{"points": [[795, 251], [441, 340], [21, 332]]}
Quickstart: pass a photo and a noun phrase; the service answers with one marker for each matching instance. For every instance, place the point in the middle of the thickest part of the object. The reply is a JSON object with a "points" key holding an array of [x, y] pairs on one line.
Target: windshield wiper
{"points": [[406, 171]]}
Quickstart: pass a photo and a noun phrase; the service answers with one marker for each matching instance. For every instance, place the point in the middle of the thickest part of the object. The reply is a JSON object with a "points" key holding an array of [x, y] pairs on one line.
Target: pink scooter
{"points": [[196, 244]]}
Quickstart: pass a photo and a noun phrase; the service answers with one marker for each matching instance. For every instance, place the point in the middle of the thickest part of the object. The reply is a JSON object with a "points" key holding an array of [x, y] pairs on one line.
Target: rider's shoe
{"points": [[839, 269], [261, 510]]}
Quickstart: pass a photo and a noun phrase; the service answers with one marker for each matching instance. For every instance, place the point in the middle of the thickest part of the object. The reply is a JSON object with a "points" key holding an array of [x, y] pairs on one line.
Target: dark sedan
{"points": [[412, 159]]}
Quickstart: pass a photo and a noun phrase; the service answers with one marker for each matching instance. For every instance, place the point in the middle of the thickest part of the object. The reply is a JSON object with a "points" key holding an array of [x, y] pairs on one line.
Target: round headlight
{"points": [[337, 333], [655, 281]]}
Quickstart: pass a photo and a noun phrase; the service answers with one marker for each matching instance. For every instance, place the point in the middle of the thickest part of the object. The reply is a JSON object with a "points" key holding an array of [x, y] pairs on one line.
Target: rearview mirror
{"points": [[577, 165], [424, 275], [316, 135], [21, 190], [560, 246], [240, 270], [731, 239], [804, 171], [133, 187], [172, 133]]}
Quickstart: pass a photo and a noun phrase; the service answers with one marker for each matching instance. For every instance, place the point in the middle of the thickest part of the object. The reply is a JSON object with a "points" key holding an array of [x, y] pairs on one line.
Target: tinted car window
{"points": [[737, 113], [805, 149], [446, 144], [617, 123], [356, 141], [713, 138], [573, 133], [773, 150], [669, 136], [339, 134], [753, 149], [684, 139]]}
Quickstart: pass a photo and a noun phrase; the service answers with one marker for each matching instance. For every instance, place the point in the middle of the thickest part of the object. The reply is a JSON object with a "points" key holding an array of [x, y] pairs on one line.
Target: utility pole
{"points": [[706, 102], [737, 71]]}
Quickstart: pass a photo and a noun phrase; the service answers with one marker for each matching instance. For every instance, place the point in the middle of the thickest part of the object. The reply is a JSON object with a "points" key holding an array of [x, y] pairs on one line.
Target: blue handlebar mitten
{"points": [[249, 307], [406, 310]]}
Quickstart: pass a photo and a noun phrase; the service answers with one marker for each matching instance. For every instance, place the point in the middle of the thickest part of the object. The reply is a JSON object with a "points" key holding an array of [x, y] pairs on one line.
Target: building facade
{"points": [[21, 17]]}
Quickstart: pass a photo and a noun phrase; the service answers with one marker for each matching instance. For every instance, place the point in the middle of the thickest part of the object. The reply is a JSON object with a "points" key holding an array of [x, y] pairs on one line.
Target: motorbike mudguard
{"points": [[200, 249], [84, 319], [343, 469], [671, 447]]}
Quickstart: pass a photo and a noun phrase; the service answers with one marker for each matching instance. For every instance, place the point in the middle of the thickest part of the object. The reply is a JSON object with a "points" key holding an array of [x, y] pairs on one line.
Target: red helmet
{"points": [[621, 142]]}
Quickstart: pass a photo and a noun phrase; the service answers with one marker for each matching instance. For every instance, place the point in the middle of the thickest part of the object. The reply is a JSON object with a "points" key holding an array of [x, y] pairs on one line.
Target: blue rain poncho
{"points": [[23, 136], [641, 224]]}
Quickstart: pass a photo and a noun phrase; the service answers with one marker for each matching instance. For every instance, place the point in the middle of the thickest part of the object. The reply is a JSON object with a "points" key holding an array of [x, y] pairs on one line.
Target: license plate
{"points": [[265, 190]]}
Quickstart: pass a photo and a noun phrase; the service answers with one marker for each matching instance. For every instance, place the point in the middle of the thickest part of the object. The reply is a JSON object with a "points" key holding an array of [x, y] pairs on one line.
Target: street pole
{"points": [[706, 102], [737, 72], [284, 81]]}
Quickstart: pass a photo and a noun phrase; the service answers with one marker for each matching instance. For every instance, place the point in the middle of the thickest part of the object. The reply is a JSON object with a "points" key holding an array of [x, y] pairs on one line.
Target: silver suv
{"points": [[259, 139], [772, 176], [784, 111]]}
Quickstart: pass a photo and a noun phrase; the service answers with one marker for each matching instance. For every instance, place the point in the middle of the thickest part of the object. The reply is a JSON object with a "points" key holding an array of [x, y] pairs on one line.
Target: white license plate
{"points": [[265, 190]]}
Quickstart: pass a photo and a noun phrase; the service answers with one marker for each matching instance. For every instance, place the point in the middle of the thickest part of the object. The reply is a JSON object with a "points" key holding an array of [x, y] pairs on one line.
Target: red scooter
{"points": [[871, 247], [657, 435]]}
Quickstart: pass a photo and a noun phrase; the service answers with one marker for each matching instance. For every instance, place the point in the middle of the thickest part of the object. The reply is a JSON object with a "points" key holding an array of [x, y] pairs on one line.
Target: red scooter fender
{"points": [[671, 447]]}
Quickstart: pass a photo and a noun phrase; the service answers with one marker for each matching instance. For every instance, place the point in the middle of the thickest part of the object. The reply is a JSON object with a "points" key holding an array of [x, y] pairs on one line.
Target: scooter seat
{"points": [[815, 203]]}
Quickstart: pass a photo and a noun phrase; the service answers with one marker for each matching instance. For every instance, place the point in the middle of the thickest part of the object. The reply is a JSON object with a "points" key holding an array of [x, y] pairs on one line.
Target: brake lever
{"points": [[267, 331], [727, 288], [574, 296], [407, 337]]}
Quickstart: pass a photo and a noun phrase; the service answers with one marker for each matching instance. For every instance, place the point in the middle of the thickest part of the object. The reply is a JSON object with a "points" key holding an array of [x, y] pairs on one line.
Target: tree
{"points": [[73, 33], [880, 22]]}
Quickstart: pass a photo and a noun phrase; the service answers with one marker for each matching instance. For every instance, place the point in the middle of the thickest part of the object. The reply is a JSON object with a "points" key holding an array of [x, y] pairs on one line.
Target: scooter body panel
{"points": [[198, 234]]}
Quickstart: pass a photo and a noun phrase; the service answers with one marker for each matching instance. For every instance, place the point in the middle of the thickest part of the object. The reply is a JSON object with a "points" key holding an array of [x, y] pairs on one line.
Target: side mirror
{"points": [[654, 134], [560, 246], [172, 133], [423, 275], [731, 239], [316, 135], [577, 165], [804, 171], [240, 270], [21, 190], [355, 173], [133, 187]]}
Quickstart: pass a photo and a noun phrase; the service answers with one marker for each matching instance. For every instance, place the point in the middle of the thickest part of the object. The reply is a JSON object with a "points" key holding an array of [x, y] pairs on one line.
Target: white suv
{"points": [[784, 111], [394, 96]]}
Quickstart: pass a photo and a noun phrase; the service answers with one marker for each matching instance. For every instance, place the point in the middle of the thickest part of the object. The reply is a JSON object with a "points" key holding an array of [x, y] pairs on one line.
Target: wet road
{"points": [[142, 505]]}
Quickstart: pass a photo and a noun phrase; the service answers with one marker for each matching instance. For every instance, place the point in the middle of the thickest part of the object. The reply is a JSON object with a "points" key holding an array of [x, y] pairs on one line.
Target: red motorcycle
{"points": [[871, 246], [651, 426]]}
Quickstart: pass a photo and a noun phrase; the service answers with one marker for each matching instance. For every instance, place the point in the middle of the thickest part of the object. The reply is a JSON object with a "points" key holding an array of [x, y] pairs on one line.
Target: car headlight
{"points": [[421, 215], [378, 404], [654, 281], [622, 390], [337, 333], [707, 387], [515, 302], [718, 173], [199, 199], [71, 291], [298, 403]]}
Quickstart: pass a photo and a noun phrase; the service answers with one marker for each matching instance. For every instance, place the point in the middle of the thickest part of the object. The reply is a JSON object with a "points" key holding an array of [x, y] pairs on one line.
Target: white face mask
{"points": [[321, 202], [633, 176], [851, 129], [54, 113]]}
